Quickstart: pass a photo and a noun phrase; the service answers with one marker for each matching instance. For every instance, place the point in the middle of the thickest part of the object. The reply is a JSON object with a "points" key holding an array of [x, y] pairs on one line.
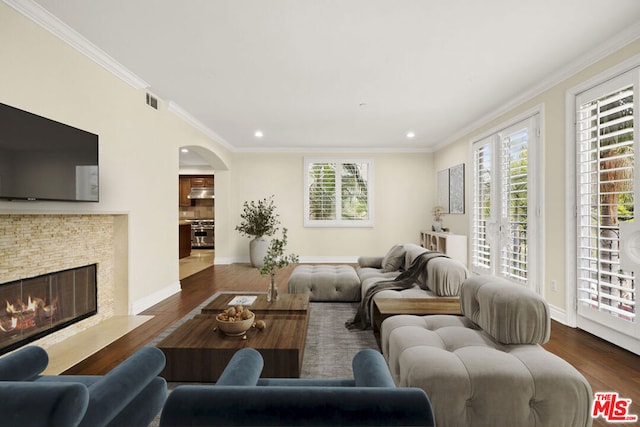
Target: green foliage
{"points": [[275, 257], [353, 192], [322, 203], [259, 219]]}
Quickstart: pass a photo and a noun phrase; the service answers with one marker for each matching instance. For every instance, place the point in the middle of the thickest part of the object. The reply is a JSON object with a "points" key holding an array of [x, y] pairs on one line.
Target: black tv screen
{"points": [[41, 159]]}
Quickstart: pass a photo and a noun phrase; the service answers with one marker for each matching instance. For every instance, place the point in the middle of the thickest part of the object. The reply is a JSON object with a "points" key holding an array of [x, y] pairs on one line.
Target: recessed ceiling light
{"points": [[184, 150], [411, 135], [258, 134]]}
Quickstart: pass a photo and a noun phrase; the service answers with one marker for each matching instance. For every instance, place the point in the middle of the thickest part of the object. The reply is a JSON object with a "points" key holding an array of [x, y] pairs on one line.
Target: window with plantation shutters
{"points": [[605, 156], [505, 203], [338, 192], [481, 208]]}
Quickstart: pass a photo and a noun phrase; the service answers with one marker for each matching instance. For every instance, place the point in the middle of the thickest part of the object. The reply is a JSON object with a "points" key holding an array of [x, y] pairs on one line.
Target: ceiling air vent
{"points": [[152, 101]]}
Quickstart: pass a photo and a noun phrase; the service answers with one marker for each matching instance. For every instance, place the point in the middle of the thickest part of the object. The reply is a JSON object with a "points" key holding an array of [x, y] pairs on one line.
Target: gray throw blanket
{"points": [[404, 280]]}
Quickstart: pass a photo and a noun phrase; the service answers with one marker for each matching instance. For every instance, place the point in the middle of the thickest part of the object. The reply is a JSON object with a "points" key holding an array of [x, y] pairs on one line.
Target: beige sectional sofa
{"points": [[441, 278], [487, 367]]}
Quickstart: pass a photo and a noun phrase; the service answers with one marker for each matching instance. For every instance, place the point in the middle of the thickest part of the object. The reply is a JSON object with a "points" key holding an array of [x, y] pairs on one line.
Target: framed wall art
{"points": [[451, 189]]}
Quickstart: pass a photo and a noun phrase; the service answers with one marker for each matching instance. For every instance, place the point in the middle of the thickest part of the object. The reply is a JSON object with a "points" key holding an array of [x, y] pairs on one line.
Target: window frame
{"points": [[597, 322], [338, 221], [497, 222]]}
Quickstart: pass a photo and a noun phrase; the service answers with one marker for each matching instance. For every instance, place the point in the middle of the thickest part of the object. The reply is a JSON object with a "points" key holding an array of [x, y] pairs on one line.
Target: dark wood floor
{"points": [[606, 366]]}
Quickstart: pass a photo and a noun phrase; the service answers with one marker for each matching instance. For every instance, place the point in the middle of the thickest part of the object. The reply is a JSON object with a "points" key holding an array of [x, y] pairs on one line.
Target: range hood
{"points": [[201, 193]]}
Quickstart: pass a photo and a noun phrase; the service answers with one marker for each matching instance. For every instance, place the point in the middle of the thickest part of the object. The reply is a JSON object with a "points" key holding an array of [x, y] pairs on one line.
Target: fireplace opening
{"points": [[34, 307]]}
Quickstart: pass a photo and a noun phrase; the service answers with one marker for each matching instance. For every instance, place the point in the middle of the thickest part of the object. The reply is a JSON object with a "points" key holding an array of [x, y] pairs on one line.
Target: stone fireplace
{"points": [[35, 245]]}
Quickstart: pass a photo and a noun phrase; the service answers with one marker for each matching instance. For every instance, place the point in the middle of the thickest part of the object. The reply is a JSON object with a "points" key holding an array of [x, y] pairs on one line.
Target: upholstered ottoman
{"points": [[326, 282], [487, 368]]}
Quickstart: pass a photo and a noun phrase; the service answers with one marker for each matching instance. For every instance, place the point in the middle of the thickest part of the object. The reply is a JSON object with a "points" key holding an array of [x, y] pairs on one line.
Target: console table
{"points": [[452, 245]]}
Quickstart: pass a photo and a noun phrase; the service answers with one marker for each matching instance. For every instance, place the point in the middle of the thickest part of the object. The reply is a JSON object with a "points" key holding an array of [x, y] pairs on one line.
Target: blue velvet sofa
{"points": [[131, 395], [241, 398]]}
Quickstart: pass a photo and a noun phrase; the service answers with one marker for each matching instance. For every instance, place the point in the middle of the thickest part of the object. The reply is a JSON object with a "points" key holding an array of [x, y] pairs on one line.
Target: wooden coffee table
{"points": [[386, 307], [286, 304], [198, 352]]}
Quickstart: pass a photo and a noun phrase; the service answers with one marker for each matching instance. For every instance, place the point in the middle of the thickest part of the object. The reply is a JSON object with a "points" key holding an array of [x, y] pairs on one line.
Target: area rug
{"points": [[330, 346]]}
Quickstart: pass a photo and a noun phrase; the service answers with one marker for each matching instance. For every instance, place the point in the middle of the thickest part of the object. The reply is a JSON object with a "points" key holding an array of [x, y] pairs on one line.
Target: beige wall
{"points": [[403, 186], [553, 181], [138, 147]]}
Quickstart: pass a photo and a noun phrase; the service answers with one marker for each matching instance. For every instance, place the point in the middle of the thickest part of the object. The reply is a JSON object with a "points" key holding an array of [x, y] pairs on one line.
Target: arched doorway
{"points": [[196, 205]]}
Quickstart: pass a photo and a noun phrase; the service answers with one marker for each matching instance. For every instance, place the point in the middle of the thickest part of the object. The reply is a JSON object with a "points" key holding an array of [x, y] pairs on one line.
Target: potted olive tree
{"points": [[259, 219], [274, 260]]}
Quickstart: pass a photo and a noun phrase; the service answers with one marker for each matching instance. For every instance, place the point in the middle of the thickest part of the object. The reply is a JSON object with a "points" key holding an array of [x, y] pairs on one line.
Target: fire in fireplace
{"points": [[34, 307]]}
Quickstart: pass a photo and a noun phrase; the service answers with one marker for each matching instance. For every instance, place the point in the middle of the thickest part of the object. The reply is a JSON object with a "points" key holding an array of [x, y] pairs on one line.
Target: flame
{"points": [[11, 308], [30, 305], [25, 316]]}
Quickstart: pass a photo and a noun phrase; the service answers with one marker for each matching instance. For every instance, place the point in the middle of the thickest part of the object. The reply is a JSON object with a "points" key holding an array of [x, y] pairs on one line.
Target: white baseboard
{"points": [[308, 260], [153, 299], [560, 315]]}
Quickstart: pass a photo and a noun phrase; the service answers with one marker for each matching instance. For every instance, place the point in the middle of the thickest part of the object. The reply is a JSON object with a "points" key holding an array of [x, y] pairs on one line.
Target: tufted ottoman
{"points": [[487, 368], [326, 282]]}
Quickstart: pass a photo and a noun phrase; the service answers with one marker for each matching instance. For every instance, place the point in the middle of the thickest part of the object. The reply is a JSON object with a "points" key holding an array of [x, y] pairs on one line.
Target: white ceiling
{"points": [[347, 74]]}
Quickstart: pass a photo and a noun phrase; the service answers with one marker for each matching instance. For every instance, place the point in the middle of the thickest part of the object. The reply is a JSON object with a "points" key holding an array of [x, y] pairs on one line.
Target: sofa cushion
{"points": [[444, 276], [26, 403], [244, 368], [370, 261], [412, 251], [510, 313], [24, 364], [370, 369], [393, 260]]}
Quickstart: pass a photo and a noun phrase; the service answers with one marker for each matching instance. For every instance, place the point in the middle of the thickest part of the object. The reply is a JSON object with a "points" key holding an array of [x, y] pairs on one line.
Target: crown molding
{"points": [[49, 22], [188, 118], [324, 150], [598, 53]]}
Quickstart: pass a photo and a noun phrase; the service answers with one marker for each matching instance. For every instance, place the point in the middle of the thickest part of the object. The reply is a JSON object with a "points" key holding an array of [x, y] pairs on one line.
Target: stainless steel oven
{"points": [[202, 233]]}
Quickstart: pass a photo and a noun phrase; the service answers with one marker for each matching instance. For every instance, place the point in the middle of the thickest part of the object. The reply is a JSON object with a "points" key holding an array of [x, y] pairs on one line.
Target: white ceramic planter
{"points": [[257, 250]]}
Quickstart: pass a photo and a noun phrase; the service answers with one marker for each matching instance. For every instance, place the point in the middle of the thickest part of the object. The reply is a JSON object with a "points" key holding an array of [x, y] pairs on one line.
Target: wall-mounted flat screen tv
{"points": [[41, 159]]}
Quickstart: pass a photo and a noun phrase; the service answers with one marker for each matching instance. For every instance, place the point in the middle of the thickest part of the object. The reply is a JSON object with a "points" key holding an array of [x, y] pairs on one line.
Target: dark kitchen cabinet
{"points": [[201, 181], [184, 249], [185, 189], [187, 182]]}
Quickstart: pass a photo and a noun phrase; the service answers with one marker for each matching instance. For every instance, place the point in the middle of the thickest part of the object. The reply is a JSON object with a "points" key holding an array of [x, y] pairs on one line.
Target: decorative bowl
{"points": [[235, 328]]}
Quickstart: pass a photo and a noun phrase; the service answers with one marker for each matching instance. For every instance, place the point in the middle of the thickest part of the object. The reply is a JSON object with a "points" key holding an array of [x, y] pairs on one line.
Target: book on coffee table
{"points": [[243, 300]]}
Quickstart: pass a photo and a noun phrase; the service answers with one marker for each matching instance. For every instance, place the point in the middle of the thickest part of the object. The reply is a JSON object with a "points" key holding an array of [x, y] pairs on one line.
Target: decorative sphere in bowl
{"points": [[235, 321]]}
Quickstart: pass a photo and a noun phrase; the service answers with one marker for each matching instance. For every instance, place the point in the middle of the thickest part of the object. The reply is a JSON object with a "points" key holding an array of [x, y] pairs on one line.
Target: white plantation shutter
{"points": [[321, 191], [504, 212], [481, 208], [605, 156], [338, 192]]}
